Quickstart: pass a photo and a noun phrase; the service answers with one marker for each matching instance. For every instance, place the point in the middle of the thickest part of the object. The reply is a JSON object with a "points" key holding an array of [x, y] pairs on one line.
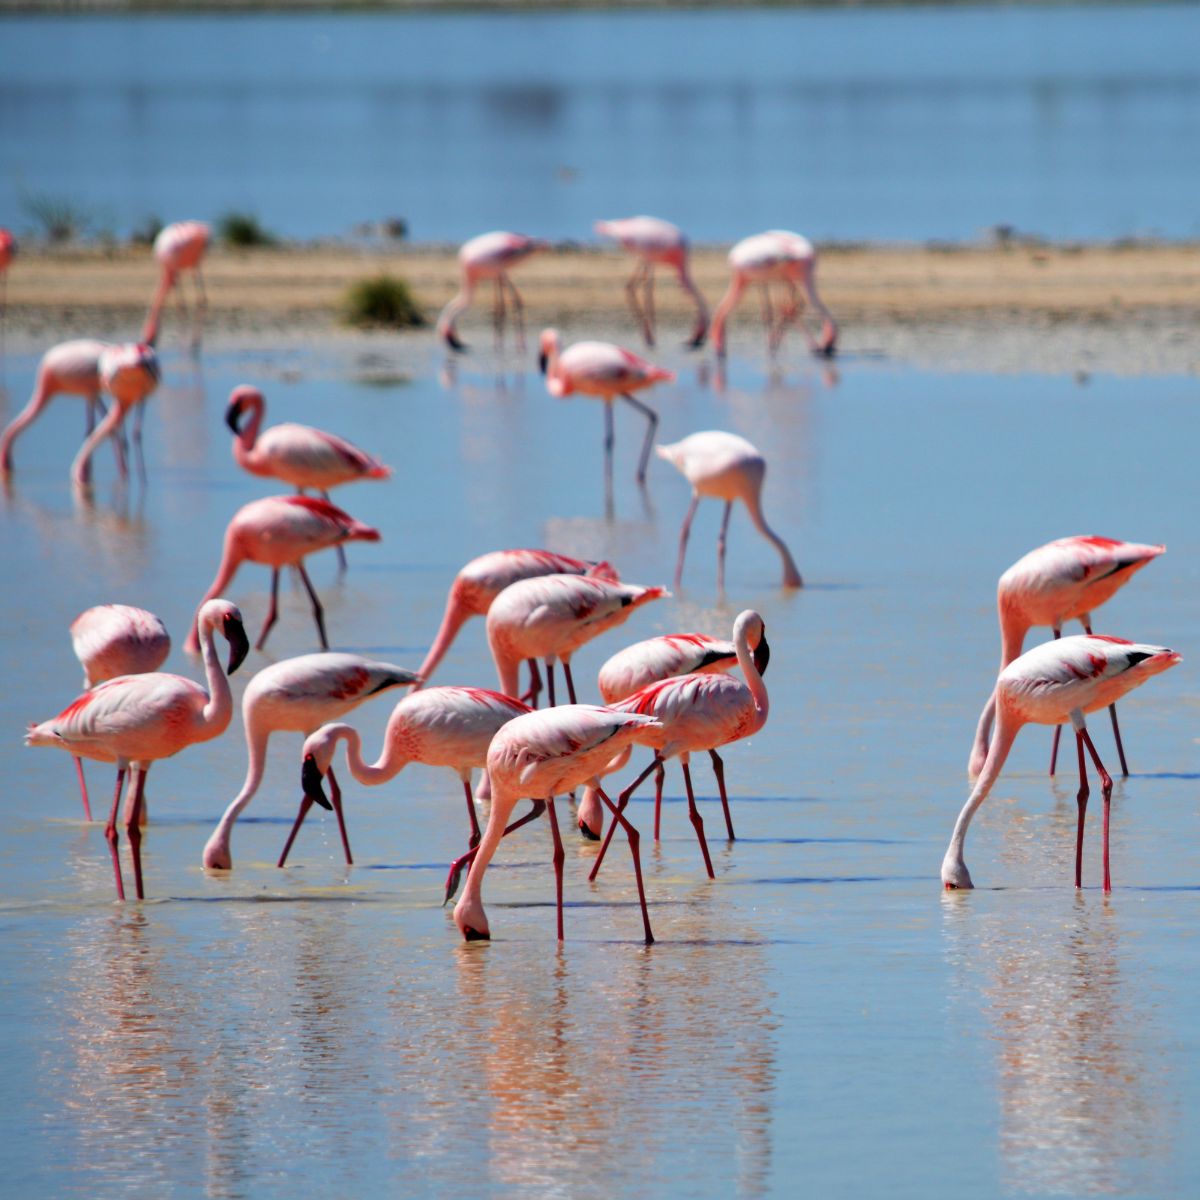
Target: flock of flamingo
{"points": [[673, 695]]}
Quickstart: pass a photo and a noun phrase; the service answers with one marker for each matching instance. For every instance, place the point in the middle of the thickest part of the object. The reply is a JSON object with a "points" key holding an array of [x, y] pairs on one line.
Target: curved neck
{"points": [[1013, 629], [112, 418], [453, 619], [256, 750], [754, 681], [388, 766], [243, 444], [728, 301], [219, 708], [791, 573], [1007, 726], [231, 558], [166, 281]]}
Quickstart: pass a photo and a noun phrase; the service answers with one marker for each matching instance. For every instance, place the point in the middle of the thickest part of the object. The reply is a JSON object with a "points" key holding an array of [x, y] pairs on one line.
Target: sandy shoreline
{"points": [[1074, 309]]}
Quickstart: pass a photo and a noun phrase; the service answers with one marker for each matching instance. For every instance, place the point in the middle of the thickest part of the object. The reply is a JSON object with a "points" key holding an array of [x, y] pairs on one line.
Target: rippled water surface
{"points": [[820, 1012], [927, 123]]}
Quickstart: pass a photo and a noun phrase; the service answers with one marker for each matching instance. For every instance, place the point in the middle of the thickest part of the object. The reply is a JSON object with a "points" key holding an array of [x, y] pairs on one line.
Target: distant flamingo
{"points": [[8, 251], [441, 727], [281, 531], [1061, 581], [129, 373], [550, 617], [484, 578], [655, 242], [728, 467], [179, 247], [702, 712], [111, 640], [134, 720], [1053, 683], [298, 695], [777, 256], [297, 454], [539, 756], [489, 256], [608, 372]]}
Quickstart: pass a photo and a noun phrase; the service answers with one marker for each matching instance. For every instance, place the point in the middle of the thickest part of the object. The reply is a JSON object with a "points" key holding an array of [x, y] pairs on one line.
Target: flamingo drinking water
{"points": [[178, 248], [129, 373], [489, 256]]}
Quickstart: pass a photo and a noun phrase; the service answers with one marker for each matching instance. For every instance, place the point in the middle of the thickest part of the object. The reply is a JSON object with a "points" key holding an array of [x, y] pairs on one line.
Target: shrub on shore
{"points": [[243, 229], [382, 300]]}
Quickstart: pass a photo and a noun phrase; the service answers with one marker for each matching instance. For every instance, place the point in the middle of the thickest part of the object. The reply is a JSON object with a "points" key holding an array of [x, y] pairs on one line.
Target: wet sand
{"points": [[1018, 307]]}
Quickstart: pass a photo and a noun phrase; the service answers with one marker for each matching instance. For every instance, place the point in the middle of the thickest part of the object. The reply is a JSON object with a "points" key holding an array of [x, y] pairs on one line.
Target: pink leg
{"points": [[651, 428], [721, 547], [768, 316], [683, 535], [1081, 800], [535, 684], [608, 457], [341, 550], [1057, 728], [659, 777], [305, 805], [497, 313], [519, 308], [473, 840], [459, 864], [272, 612], [1112, 712], [112, 837], [631, 294], [550, 681], [559, 857], [634, 837], [566, 666], [87, 807], [696, 819], [649, 304], [719, 772], [335, 798], [1106, 790], [622, 801], [134, 831], [318, 611]]}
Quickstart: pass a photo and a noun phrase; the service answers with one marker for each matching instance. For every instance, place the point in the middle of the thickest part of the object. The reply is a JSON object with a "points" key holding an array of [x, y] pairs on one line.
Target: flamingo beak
{"points": [[543, 360], [239, 644], [473, 935], [454, 342], [588, 835], [233, 414], [313, 782], [762, 654]]}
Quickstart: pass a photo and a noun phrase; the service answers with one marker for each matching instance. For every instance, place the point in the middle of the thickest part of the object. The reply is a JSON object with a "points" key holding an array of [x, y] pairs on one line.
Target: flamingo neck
{"points": [[456, 615], [753, 501], [256, 750], [1013, 628], [217, 712], [166, 281], [726, 306], [243, 444], [754, 681], [231, 559], [388, 766]]}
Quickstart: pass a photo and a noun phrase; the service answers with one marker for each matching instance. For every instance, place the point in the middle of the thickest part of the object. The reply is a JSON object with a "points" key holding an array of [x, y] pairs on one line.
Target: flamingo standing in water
{"points": [[298, 695], [728, 467], [129, 373], [550, 617], [702, 712], [539, 756], [1061, 581], [608, 372], [134, 720], [111, 640], [655, 242], [778, 256], [484, 578], [489, 256], [281, 531], [441, 727], [179, 247], [1051, 684]]}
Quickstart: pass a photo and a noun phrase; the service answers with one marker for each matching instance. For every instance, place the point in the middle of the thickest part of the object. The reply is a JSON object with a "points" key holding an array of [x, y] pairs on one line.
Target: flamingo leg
{"points": [[566, 666], [550, 680], [768, 315], [719, 772], [622, 801], [535, 684], [138, 417], [318, 611], [608, 457], [201, 311], [649, 305], [1081, 800], [651, 428], [465, 860], [1106, 785], [335, 798], [341, 550], [684, 530], [695, 817], [519, 309], [1112, 712], [635, 304], [134, 829], [1057, 728], [658, 793], [721, 547], [83, 792], [272, 612], [634, 838], [472, 816], [559, 858], [498, 313], [305, 805], [112, 836]]}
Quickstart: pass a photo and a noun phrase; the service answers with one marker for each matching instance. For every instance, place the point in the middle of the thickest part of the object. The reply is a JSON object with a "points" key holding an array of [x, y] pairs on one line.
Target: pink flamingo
{"points": [[129, 373], [298, 695], [654, 242], [608, 372], [728, 467], [489, 256], [281, 531], [297, 454], [179, 247], [539, 756], [702, 712], [484, 578], [134, 720], [440, 727], [778, 256], [8, 251], [550, 617], [70, 368], [1053, 683], [111, 640], [1061, 581]]}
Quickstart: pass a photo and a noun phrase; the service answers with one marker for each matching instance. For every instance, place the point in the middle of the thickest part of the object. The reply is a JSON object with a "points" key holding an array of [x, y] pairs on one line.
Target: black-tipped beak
{"points": [[454, 342], [233, 414], [696, 342], [587, 834], [473, 935], [543, 360], [239, 644], [313, 783], [762, 655]]}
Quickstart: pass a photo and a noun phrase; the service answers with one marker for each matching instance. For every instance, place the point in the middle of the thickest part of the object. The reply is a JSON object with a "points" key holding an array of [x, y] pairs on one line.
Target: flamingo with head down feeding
{"points": [[134, 720], [179, 247], [129, 373], [489, 256], [1051, 684], [655, 243]]}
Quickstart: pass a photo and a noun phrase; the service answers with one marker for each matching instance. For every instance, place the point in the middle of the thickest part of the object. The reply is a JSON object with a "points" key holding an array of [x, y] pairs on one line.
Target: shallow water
{"points": [[820, 1011], [925, 123]]}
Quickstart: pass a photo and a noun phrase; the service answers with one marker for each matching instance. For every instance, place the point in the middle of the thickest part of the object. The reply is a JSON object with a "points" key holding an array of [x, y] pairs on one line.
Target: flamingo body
{"points": [[647, 662], [118, 639], [490, 256]]}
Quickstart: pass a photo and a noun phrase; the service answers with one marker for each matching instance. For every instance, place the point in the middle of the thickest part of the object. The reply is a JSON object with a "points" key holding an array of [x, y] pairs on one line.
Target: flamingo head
{"points": [[241, 399], [217, 855], [453, 340], [751, 629], [130, 372], [827, 342], [225, 618], [317, 757]]}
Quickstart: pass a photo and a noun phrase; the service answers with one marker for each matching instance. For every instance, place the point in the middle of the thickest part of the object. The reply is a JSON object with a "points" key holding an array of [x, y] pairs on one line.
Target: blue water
{"points": [[820, 1012], [896, 124]]}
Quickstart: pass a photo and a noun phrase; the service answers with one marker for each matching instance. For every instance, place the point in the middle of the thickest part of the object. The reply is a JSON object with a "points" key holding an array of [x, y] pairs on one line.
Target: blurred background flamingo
{"points": [[489, 256]]}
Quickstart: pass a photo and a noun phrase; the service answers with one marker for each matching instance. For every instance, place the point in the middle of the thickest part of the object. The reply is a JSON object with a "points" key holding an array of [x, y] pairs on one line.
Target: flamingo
{"points": [[298, 695], [134, 720], [550, 617], [441, 727], [778, 256], [489, 256], [541, 755], [111, 640], [71, 368], [607, 371], [484, 578], [1053, 683], [702, 712], [728, 467], [8, 251], [281, 531], [1060, 581], [179, 247], [129, 373], [654, 242]]}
